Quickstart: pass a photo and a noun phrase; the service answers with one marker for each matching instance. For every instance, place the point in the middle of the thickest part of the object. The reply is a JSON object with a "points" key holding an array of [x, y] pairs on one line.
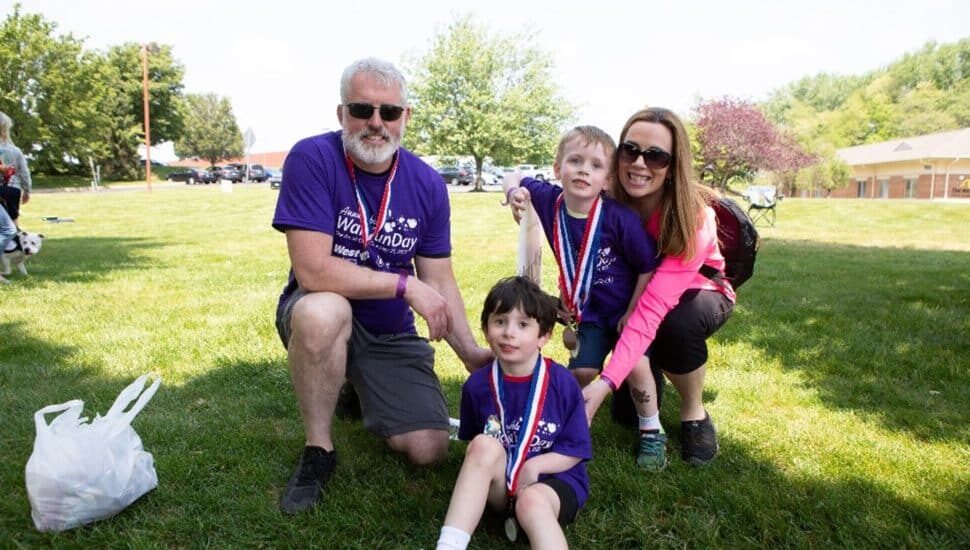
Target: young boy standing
{"points": [[525, 419], [605, 257]]}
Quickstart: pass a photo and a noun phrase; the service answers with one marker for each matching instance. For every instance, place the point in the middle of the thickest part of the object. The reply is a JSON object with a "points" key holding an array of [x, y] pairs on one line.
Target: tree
{"points": [[210, 132], [484, 96], [126, 109], [54, 92], [735, 141]]}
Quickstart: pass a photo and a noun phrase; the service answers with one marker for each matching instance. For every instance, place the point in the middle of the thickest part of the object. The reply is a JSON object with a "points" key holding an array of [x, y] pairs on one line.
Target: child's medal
{"points": [[511, 524], [518, 449], [570, 338], [492, 427], [576, 267]]}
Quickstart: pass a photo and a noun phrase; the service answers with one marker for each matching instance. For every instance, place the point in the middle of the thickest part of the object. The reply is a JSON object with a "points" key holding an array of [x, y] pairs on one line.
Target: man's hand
{"points": [[477, 358], [431, 306], [593, 395], [24, 197]]}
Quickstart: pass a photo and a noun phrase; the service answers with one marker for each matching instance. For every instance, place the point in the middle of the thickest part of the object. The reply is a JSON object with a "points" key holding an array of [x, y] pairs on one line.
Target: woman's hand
{"points": [[593, 395]]}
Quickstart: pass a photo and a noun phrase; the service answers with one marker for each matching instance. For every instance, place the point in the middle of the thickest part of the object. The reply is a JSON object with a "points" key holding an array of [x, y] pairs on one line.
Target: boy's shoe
{"points": [[698, 441], [652, 451], [305, 488], [348, 403]]}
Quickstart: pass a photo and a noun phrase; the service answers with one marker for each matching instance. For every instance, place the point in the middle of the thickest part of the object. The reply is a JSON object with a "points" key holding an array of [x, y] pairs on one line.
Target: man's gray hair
{"points": [[385, 71]]}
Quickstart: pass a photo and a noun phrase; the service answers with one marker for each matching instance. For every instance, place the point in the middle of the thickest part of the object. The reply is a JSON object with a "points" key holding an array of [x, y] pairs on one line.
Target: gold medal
{"points": [[570, 339]]}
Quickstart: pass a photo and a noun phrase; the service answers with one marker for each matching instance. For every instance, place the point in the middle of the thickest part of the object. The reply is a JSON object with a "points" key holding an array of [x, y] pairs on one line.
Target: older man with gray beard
{"points": [[367, 227]]}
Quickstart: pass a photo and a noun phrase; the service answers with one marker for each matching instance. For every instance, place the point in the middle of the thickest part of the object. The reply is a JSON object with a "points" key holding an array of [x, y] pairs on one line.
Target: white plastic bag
{"points": [[81, 472]]}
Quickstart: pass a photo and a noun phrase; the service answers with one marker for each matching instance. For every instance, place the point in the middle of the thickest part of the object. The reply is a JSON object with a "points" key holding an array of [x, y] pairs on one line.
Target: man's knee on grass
{"points": [[423, 447]]}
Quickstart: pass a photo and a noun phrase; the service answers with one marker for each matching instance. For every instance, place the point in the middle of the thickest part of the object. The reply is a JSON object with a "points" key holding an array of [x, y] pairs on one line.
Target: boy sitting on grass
{"points": [[525, 419]]}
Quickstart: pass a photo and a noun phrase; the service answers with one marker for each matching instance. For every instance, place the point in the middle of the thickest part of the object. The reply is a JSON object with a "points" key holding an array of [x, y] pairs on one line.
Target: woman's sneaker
{"points": [[652, 451], [698, 441]]}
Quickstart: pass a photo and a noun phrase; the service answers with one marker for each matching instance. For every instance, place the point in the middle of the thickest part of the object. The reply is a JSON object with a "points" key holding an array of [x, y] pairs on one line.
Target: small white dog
{"points": [[19, 249]]}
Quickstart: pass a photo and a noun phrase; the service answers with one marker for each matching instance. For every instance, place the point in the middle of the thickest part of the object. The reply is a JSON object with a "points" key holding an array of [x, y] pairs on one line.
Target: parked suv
{"points": [[228, 172], [258, 173], [455, 175]]}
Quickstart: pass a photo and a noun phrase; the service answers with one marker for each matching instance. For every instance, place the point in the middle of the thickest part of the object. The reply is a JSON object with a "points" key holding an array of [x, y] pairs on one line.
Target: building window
{"points": [[910, 188], [860, 189], [883, 189]]}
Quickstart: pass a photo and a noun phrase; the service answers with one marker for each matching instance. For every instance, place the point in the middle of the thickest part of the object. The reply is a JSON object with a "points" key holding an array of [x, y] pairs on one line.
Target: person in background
{"points": [[7, 232], [367, 227], [680, 307], [17, 190]]}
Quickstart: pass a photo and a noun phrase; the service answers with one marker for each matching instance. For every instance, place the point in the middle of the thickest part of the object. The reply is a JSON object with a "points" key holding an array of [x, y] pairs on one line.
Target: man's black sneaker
{"points": [[698, 441], [348, 403], [305, 488]]}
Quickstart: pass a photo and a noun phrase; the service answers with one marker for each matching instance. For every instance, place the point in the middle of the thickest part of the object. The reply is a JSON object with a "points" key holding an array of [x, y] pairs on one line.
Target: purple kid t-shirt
{"points": [[625, 251], [316, 194], [562, 426]]}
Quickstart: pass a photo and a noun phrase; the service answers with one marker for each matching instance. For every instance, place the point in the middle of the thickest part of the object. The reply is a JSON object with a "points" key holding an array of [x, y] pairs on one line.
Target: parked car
{"points": [[192, 176], [227, 172], [257, 173], [455, 175], [490, 178], [275, 178], [537, 172]]}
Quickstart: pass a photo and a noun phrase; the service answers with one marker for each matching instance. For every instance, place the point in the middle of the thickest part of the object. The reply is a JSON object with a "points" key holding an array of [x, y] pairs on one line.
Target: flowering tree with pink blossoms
{"points": [[736, 141]]}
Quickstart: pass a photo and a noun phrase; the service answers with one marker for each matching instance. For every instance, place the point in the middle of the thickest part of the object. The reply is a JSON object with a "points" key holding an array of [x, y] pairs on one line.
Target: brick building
{"points": [[932, 166]]}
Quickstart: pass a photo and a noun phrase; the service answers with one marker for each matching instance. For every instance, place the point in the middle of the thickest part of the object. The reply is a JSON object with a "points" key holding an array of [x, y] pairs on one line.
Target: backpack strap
{"points": [[711, 272], [715, 275]]}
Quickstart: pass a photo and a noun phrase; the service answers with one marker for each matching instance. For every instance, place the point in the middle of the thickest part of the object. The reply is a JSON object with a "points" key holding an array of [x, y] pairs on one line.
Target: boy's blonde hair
{"points": [[589, 135]]}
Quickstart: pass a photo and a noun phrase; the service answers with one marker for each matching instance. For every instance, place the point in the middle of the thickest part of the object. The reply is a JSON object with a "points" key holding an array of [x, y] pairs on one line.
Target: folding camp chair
{"points": [[763, 199]]}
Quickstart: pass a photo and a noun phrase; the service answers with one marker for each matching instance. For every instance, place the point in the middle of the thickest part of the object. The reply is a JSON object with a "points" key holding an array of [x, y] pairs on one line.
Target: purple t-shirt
{"points": [[626, 250], [562, 426], [317, 195]]}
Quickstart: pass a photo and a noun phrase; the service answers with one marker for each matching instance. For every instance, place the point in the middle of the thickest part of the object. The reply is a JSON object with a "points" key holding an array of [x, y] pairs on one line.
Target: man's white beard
{"points": [[369, 154]]}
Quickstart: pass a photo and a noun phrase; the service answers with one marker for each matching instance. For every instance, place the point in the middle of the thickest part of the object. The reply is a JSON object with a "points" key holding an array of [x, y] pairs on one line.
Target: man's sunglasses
{"points": [[363, 111], [654, 157]]}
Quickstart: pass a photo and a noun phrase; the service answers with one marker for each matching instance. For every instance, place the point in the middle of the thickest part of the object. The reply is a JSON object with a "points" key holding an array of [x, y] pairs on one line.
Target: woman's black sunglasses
{"points": [[363, 111], [654, 157]]}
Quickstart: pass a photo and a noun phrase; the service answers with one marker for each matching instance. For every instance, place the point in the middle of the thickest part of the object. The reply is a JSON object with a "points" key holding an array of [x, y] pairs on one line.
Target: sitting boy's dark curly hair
{"points": [[520, 292]]}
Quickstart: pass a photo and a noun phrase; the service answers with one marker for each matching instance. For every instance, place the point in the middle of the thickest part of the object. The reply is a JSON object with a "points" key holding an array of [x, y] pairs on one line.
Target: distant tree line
{"points": [[926, 91], [74, 107], [791, 139]]}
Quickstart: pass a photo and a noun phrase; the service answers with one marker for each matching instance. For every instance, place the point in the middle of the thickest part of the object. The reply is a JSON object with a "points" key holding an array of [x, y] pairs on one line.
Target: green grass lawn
{"points": [[840, 388]]}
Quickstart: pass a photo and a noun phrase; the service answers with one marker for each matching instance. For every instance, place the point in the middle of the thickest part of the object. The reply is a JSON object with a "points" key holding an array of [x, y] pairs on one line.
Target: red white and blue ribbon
{"points": [[366, 233], [519, 449], [576, 266]]}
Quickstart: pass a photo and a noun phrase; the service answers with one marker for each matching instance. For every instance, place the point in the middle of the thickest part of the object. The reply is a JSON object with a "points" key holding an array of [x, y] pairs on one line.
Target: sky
{"points": [[279, 62]]}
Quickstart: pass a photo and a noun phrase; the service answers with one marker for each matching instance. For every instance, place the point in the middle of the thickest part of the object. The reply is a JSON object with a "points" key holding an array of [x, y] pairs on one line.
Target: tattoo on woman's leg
{"points": [[639, 396]]}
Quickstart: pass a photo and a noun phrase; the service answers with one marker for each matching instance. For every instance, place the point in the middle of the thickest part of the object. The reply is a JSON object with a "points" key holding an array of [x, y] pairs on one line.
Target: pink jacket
{"points": [[672, 278]]}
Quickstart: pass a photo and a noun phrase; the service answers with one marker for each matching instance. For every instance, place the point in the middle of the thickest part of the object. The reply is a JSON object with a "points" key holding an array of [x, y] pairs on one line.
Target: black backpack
{"points": [[739, 242]]}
